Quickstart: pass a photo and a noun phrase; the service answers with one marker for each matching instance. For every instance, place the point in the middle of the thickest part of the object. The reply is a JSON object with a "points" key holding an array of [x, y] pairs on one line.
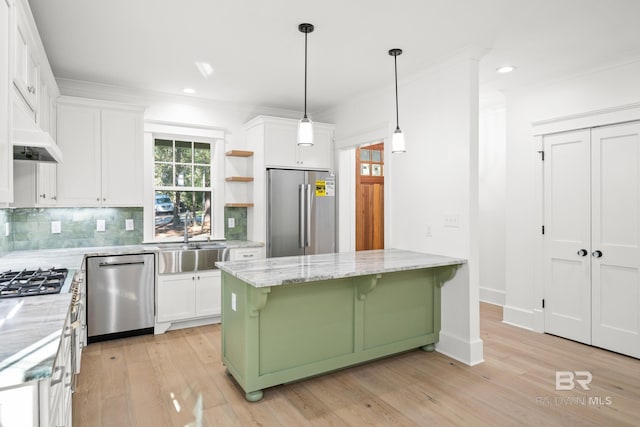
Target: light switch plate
{"points": [[7, 229], [101, 225], [233, 301], [231, 222], [128, 224], [56, 227]]}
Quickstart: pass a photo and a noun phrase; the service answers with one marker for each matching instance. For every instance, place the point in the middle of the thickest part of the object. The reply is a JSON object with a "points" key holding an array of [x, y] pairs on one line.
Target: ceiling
{"points": [[257, 51]]}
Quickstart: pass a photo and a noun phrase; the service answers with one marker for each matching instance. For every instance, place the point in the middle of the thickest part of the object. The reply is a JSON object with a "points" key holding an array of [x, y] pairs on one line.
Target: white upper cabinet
{"points": [[6, 150], [103, 160], [25, 76], [280, 143]]}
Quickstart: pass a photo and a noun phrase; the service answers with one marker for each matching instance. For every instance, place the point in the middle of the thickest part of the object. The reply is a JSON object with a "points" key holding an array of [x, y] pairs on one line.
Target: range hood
{"points": [[36, 146]]}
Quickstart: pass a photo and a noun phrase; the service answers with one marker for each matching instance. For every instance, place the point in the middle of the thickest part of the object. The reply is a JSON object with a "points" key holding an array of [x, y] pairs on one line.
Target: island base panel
{"points": [[280, 334]]}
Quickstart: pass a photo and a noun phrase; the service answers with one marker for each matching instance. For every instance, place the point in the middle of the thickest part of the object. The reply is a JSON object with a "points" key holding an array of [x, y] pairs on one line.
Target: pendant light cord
{"points": [[395, 62], [305, 75]]}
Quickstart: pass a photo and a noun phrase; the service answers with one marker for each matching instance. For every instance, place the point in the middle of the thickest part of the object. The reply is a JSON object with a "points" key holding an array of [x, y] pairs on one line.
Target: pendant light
{"points": [[305, 127], [397, 142]]}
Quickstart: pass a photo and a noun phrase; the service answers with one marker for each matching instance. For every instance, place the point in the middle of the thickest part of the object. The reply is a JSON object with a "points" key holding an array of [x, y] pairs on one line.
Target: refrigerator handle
{"points": [[307, 237], [301, 209]]}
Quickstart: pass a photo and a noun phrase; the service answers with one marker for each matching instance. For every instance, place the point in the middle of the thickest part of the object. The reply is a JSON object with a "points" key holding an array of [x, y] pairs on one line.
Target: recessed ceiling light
{"points": [[205, 68], [189, 90], [506, 69]]}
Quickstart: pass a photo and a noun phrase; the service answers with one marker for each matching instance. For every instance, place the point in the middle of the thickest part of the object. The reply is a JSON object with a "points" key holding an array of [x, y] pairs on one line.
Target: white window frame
{"points": [[175, 131]]}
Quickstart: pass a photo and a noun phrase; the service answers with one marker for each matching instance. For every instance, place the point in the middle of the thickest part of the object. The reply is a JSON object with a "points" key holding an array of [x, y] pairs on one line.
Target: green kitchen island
{"points": [[288, 318]]}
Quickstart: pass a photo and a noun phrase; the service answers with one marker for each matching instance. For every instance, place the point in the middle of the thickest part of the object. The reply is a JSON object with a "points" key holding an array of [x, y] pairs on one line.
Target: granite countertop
{"points": [[30, 332], [300, 269]]}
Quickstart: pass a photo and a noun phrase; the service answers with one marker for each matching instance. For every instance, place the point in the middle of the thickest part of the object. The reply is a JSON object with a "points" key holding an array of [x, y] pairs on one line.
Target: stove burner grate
{"points": [[31, 282]]}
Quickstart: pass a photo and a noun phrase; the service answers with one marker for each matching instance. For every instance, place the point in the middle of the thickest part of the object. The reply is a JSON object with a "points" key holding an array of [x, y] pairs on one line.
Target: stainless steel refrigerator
{"points": [[301, 212]]}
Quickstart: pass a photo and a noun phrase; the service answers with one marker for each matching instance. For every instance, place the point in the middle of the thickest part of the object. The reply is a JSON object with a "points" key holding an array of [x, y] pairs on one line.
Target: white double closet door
{"points": [[592, 236]]}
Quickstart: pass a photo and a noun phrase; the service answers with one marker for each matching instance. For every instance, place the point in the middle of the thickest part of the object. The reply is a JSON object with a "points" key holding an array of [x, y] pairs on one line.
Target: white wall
{"points": [[491, 200], [438, 175], [596, 90]]}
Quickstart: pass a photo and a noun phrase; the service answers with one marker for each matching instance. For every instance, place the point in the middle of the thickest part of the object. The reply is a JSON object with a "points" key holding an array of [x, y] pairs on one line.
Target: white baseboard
{"points": [[469, 353], [492, 296], [518, 317]]}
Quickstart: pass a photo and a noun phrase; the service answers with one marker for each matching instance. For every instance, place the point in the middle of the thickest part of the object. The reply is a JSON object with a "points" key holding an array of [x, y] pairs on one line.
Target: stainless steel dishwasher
{"points": [[120, 296]]}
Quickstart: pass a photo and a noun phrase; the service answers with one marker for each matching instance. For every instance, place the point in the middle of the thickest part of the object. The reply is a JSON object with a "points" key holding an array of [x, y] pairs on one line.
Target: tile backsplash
{"points": [[239, 231], [32, 228]]}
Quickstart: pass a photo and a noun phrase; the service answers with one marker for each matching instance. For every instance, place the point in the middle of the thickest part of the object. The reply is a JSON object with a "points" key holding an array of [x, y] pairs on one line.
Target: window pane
{"points": [[170, 222], [375, 156], [364, 169], [183, 152], [202, 153], [184, 177], [164, 175], [202, 176], [364, 155], [376, 170], [164, 150]]}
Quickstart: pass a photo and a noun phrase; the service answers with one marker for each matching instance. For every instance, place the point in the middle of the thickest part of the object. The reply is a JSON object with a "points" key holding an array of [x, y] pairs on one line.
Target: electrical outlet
{"points": [[231, 222], [101, 225], [128, 224], [233, 302], [56, 227]]}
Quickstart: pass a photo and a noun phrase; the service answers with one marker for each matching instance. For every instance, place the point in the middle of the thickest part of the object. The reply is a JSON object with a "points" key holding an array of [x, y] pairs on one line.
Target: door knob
{"points": [[596, 254], [583, 252]]}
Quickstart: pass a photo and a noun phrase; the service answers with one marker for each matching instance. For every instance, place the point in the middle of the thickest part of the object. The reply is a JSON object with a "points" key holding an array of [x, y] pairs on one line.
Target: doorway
{"points": [[369, 181]]}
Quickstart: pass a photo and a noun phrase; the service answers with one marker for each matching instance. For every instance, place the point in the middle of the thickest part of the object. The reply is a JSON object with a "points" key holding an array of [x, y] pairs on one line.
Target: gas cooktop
{"points": [[31, 282]]}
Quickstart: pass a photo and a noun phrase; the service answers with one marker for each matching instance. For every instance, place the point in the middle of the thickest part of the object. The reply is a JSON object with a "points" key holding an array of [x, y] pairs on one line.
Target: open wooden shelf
{"points": [[239, 179], [239, 153], [239, 205]]}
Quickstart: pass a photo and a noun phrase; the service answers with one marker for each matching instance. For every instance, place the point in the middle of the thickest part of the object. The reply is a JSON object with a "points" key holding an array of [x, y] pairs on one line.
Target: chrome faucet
{"points": [[187, 214]]}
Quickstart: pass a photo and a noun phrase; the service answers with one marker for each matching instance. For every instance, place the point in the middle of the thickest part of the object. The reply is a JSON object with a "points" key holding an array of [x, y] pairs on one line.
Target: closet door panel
{"points": [[615, 184], [567, 209]]}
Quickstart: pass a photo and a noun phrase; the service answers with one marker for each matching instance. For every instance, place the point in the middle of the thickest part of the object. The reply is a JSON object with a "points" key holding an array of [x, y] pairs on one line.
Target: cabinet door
{"points": [[319, 155], [24, 184], [208, 293], [25, 76], [79, 139], [6, 150], [280, 147], [176, 297], [46, 184], [122, 158]]}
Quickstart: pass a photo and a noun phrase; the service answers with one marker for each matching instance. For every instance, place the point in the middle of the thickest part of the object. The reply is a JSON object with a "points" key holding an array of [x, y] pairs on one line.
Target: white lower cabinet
{"points": [[189, 296]]}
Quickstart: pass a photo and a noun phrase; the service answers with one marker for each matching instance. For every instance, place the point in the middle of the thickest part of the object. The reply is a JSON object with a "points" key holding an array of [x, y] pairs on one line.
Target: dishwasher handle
{"points": [[118, 264]]}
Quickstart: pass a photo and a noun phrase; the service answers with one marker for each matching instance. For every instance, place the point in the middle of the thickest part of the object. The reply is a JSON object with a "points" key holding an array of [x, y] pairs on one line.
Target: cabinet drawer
{"points": [[245, 254]]}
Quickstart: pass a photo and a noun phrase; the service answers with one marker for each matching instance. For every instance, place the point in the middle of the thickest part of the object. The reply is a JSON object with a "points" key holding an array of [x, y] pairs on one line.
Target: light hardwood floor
{"points": [[177, 379]]}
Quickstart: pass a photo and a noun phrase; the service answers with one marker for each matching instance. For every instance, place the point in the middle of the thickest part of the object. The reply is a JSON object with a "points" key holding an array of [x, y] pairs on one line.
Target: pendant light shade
{"points": [[397, 142], [305, 127]]}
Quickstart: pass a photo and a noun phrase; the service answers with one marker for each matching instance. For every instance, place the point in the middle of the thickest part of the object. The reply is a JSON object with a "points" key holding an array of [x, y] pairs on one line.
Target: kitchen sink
{"points": [[181, 258]]}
